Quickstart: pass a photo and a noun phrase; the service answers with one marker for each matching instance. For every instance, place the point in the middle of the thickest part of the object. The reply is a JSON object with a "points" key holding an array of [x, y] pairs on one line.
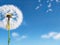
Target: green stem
{"points": [[8, 37], [8, 32]]}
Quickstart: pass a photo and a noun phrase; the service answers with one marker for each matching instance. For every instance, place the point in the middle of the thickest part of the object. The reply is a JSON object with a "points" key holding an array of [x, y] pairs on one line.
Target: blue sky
{"points": [[40, 26]]}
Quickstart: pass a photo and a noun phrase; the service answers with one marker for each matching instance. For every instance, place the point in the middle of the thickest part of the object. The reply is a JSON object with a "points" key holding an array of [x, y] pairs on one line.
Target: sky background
{"points": [[40, 26]]}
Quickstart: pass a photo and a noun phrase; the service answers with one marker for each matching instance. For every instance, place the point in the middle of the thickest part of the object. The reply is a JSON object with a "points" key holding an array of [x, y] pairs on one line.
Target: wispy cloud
{"points": [[23, 37], [53, 35], [16, 36]]}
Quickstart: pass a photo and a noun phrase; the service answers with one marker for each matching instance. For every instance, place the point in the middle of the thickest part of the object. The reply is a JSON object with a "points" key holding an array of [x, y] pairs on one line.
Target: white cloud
{"points": [[53, 35], [57, 36], [16, 36], [45, 36], [23, 37], [49, 35]]}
